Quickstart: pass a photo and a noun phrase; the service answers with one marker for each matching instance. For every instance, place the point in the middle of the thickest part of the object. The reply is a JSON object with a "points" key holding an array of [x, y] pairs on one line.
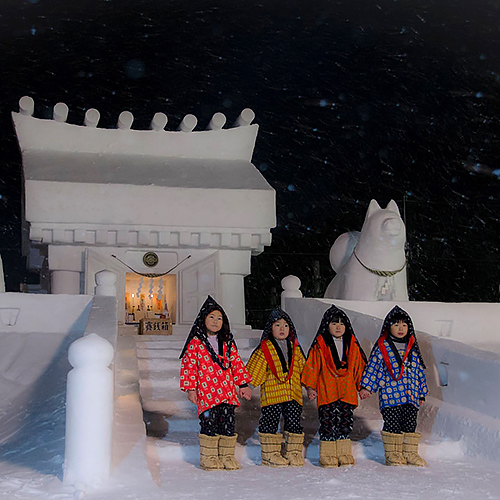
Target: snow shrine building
{"points": [[151, 198]]}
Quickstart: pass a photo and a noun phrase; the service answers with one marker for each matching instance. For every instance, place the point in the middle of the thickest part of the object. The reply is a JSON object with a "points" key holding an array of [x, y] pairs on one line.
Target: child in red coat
{"points": [[211, 368]]}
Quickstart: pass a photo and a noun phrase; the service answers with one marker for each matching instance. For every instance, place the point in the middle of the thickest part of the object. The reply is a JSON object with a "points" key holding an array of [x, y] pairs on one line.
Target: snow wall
{"points": [[462, 379], [36, 332]]}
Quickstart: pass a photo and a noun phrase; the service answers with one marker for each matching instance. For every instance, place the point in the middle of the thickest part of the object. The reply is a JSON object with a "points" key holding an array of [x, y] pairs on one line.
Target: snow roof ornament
{"points": [[215, 142], [126, 187]]}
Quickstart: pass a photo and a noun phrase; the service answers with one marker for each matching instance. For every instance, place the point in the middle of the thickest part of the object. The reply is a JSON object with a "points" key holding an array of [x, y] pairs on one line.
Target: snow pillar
{"points": [[89, 412], [106, 283], [65, 265], [67, 282], [291, 288], [234, 265]]}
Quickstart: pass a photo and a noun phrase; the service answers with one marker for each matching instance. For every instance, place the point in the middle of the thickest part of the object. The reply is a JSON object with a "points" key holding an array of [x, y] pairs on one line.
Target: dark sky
{"points": [[355, 100]]}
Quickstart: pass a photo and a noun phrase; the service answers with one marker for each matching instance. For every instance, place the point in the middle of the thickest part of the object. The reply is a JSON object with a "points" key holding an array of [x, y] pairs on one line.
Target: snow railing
{"points": [[461, 377], [90, 392]]}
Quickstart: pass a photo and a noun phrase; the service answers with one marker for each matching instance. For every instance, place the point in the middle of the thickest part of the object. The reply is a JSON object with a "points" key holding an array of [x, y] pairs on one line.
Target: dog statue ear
{"points": [[372, 208], [393, 207]]}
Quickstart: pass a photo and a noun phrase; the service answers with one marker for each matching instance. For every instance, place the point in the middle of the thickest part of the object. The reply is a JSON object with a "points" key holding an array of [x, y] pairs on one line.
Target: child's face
{"points": [[337, 328], [399, 329], [281, 329], [213, 322]]}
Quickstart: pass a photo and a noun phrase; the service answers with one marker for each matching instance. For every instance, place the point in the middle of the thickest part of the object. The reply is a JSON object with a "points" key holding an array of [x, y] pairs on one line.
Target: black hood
{"points": [[199, 330], [393, 316], [324, 331], [276, 315]]}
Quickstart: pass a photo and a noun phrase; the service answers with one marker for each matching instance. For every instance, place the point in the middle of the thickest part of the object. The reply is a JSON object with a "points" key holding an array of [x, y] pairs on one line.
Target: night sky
{"points": [[355, 100]]}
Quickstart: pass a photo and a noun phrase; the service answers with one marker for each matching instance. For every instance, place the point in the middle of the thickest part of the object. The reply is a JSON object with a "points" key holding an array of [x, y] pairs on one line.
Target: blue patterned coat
{"points": [[410, 388]]}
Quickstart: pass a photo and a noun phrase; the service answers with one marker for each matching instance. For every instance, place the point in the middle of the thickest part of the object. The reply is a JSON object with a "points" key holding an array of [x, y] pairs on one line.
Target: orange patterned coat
{"points": [[331, 383], [213, 385], [279, 387]]}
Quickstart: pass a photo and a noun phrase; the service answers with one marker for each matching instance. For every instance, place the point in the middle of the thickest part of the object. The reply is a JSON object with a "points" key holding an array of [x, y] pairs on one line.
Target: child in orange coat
{"points": [[211, 368], [332, 375], [276, 366]]}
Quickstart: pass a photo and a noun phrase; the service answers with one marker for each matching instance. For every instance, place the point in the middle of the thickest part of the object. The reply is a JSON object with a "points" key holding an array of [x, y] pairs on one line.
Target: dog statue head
{"points": [[382, 239]]}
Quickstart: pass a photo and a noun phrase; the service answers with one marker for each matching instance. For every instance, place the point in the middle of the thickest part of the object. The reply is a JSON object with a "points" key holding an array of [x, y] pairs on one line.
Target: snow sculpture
{"points": [[371, 264], [291, 288], [101, 179], [89, 412]]}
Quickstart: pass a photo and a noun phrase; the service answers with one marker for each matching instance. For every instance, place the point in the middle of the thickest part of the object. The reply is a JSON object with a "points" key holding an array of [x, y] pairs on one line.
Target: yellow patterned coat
{"points": [[277, 386]]}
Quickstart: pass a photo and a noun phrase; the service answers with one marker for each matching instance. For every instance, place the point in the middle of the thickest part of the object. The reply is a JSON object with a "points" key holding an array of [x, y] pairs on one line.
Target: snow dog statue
{"points": [[371, 264]]}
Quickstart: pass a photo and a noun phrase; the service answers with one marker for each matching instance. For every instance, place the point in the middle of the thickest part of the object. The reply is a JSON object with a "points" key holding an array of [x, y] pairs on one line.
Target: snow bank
{"points": [[40, 331], [32, 313]]}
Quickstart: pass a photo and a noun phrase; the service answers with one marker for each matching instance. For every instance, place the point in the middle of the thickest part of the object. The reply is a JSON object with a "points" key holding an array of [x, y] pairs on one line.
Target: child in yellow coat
{"points": [[276, 365]]}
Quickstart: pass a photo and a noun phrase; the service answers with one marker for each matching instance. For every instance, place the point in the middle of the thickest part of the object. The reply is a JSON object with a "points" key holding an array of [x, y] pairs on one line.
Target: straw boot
{"points": [[410, 449], [344, 452], [328, 454], [294, 444], [209, 452], [270, 445], [393, 446], [226, 452]]}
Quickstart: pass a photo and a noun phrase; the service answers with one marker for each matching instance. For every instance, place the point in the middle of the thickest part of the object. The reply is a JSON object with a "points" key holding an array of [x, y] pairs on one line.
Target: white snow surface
{"points": [[166, 463]]}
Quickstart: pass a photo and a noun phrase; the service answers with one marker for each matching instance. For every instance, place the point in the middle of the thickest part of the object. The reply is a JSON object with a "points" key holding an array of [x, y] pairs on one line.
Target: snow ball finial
{"points": [[158, 122], [92, 117], [125, 120], [26, 106], [188, 123], [106, 283], [91, 350], [60, 112], [247, 116], [291, 288], [217, 122]]}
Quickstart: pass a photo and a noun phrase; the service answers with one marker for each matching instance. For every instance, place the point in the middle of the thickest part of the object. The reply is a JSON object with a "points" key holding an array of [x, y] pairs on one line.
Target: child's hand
{"points": [[245, 393], [192, 396], [364, 393], [311, 394]]}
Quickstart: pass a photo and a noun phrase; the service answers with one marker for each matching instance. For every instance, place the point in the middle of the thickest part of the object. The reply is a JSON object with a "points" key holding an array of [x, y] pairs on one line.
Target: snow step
{"points": [[167, 412]]}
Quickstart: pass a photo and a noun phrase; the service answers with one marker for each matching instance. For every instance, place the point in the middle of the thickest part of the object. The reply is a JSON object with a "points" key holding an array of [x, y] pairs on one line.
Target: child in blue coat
{"points": [[396, 370]]}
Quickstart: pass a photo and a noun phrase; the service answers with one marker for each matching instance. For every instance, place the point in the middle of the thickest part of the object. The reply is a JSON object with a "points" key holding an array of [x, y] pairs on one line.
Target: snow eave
{"points": [[128, 169], [46, 135]]}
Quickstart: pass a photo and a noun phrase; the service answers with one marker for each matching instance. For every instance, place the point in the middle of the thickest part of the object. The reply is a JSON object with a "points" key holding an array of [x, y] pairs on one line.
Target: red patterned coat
{"points": [[213, 385]]}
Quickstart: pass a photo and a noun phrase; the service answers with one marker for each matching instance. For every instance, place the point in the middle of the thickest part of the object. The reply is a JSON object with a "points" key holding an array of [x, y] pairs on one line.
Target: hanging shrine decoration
{"points": [[140, 307], [152, 275], [159, 295]]}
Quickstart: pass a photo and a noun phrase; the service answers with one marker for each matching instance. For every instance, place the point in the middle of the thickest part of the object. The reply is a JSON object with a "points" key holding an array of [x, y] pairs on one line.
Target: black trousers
{"points": [[218, 420], [398, 419], [271, 415], [335, 421]]}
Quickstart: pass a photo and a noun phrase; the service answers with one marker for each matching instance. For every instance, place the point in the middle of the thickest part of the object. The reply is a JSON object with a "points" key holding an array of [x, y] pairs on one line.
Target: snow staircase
{"points": [[172, 421]]}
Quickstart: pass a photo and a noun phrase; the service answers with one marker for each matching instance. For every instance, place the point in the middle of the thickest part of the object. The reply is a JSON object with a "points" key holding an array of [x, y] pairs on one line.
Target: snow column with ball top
{"points": [[89, 412]]}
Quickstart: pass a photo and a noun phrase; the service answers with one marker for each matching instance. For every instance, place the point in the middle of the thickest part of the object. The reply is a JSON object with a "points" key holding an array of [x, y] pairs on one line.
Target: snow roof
{"points": [[86, 185], [142, 170]]}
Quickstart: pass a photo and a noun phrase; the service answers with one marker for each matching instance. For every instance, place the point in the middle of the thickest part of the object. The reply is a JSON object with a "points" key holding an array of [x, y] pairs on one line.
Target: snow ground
{"points": [[166, 463]]}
